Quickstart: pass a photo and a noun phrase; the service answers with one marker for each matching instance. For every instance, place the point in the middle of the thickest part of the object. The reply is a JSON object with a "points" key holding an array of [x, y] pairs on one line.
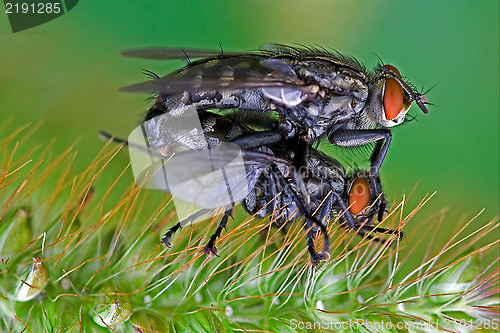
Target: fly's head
{"points": [[363, 200], [391, 97]]}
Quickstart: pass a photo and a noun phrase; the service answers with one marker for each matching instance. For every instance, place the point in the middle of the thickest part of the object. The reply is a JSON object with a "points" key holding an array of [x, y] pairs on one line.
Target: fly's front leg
{"points": [[315, 257], [326, 207], [378, 195], [382, 209], [363, 229], [352, 138], [210, 247]]}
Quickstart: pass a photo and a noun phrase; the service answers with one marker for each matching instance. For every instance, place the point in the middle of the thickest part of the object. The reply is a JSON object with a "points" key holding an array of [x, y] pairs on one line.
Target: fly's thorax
{"points": [[341, 95], [312, 119], [390, 97], [337, 85], [332, 76]]}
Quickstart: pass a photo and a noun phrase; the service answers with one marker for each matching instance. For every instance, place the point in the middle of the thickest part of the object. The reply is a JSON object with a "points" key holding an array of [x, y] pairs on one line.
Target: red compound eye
{"points": [[359, 196], [393, 99], [393, 96]]}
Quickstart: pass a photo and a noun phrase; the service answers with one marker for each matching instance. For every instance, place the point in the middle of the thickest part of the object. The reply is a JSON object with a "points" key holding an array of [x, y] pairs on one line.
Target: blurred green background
{"points": [[66, 74]]}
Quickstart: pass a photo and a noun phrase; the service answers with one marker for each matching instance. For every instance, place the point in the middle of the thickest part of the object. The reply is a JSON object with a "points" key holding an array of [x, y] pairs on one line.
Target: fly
{"points": [[315, 92]]}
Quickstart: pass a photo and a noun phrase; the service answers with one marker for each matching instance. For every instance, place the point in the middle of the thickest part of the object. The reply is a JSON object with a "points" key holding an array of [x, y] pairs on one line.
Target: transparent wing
{"points": [[171, 153], [207, 178], [162, 53], [232, 72]]}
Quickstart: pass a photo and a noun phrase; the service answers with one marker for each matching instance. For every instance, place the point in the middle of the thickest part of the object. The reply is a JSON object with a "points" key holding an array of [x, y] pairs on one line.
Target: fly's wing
{"points": [[225, 73], [210, 177], [161, 53]]}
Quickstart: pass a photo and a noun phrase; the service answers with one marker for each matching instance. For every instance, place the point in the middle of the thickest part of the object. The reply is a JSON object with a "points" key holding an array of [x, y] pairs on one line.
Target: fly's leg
{"points": [[383, 137], [274, 200], [257, 139], [376, 151], [351, 138], [324, 254], [382, 208], [377, 195], [324, 213], [210, 247], [347, 214], [364, 230], [280, 212], [326, 208], [361, 229], [166, 238], [315, 257], [301, 155]]}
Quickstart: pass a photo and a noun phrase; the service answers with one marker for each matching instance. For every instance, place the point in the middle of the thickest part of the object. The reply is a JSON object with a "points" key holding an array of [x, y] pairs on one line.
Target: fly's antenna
{"points": [[421, 102]]}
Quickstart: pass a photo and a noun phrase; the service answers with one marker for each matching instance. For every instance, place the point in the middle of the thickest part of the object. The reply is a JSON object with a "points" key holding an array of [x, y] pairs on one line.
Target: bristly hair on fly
{"points": [[152, 76], [303, 51]]}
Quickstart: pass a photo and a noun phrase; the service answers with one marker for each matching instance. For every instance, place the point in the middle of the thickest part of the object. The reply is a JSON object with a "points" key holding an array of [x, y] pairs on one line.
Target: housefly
{"points": [[315, 93], [269, 184]]}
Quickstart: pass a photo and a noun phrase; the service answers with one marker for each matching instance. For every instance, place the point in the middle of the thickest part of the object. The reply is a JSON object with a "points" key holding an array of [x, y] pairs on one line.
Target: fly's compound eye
{"points": [[393, 96], [359, 196]]}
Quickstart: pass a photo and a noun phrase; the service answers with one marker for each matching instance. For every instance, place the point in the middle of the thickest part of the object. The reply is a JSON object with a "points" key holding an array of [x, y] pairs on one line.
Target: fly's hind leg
{"points": [[210, 247], [166, 238]]}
